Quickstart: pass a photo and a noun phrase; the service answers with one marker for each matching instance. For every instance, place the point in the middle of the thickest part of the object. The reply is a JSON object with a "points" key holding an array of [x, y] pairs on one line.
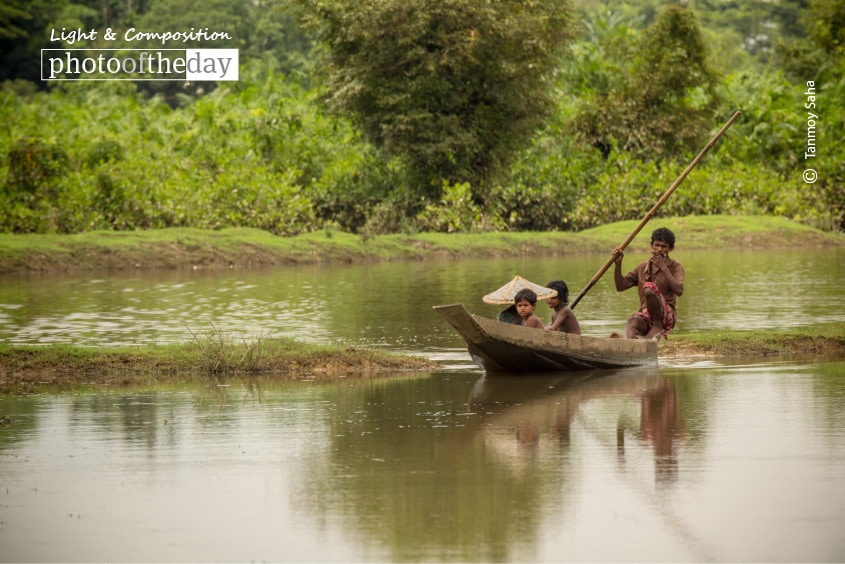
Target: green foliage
{"points": [[390, 216], [768, 131], [451, 87], [25, 36], [103, 151], [546, 182], [353, 186], [260, 30], [628, 190], [826, 25], [812, 87], [830, 162], [265, 152], [220, 354], [126, 163], [11, 15], [233, 18], [658, 99], [455, 213], [120, 209], [258, 198], [34, 165], [741, 33]]}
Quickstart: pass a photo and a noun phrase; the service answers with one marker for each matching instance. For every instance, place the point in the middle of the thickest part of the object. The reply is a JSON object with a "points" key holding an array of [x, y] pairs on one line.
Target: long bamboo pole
{"points": [[654, 209]]}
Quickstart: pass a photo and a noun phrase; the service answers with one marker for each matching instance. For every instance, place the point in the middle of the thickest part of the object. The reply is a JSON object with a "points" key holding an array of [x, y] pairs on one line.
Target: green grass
{"points": [[243, 247], [209, 355], [214, 357], [717, 231], [821, 339]]}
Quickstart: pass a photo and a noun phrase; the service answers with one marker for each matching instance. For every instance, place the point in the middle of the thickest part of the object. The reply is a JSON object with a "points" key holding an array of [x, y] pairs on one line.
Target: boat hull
{"points": [[503, 347]]}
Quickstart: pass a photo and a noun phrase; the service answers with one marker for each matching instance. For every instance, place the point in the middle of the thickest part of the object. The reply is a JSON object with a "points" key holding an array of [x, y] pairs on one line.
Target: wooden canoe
{"points": [[503, 347]]}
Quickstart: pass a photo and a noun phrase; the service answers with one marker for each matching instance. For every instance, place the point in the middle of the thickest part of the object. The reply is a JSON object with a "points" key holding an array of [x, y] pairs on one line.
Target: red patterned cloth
{"points": [[669, 315]]}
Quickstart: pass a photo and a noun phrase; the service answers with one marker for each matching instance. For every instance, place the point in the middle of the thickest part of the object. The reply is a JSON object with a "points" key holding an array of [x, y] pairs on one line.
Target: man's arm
{"points": [[622, 282], [677, 274]]}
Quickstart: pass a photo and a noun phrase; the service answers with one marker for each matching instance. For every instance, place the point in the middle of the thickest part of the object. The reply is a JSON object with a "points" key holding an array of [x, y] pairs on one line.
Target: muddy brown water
{"points": [[697, 460]]}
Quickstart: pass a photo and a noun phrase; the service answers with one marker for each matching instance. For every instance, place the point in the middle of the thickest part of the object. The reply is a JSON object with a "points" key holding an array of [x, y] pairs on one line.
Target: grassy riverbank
{"points": [[245, 248], [25, 368], [825, 340], [217, 357]]}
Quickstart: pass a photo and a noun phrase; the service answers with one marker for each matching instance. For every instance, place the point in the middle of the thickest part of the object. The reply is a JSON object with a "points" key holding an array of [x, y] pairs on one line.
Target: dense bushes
{"points": [[633, 103], [731, 188], [262, 154], [84, 157]]}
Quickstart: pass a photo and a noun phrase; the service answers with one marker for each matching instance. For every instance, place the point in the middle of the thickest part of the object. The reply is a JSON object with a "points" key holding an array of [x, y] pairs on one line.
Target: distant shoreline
{"points": [[184, 248]]}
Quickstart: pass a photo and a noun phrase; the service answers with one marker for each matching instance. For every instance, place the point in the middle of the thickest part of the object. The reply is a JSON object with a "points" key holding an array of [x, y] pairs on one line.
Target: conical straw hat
{"points": [[507, 293]]}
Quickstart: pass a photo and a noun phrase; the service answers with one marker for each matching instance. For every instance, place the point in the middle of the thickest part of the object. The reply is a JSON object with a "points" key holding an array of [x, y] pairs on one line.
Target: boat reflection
{"points": [[626, 408]]}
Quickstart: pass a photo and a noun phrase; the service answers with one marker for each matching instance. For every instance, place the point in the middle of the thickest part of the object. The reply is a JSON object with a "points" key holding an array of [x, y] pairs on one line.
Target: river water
{"points": [[697, 460]]}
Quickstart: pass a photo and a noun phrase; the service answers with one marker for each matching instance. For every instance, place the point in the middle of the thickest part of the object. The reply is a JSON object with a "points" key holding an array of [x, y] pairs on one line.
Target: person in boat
{"points": [[525, 302], [509, 315], [563, 318], [660, 281]]}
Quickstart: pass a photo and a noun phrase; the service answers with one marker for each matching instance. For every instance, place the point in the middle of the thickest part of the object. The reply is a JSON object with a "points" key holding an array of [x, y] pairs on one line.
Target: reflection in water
{"points": [[660, 425], [483, 482], [685, 464], [536, 407]]}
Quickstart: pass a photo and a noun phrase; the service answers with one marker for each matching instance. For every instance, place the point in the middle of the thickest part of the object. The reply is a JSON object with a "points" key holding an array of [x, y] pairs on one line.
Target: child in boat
{"points": [[563, 318], [525, 302]]}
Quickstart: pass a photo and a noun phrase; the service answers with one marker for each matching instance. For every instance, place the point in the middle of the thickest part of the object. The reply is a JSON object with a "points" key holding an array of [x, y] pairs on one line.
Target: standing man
{"points": [[659, 280]]}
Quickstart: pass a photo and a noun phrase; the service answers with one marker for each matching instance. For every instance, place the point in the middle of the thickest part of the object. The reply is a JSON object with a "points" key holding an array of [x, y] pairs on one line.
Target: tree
{"points": [[23, 35], [275, 34], [732, 26], [659, 95], [824, 77], [452, 87], [11, 15], [182, 16]]}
